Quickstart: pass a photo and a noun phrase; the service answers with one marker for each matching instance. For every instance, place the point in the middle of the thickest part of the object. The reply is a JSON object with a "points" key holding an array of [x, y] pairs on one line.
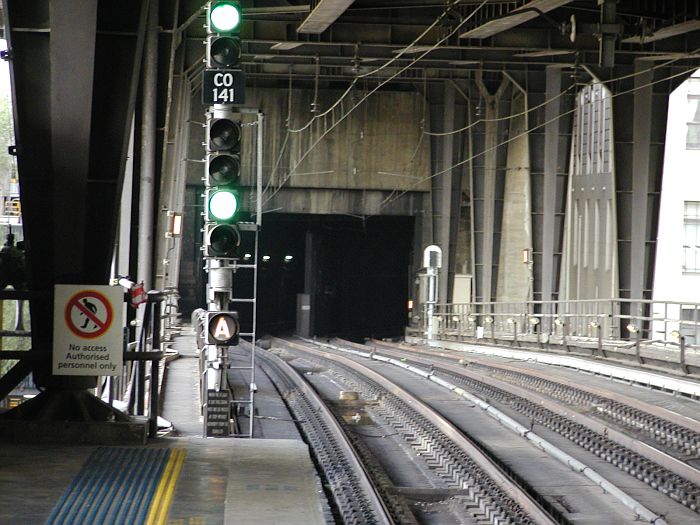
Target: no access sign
{"points": [[87, 328]]}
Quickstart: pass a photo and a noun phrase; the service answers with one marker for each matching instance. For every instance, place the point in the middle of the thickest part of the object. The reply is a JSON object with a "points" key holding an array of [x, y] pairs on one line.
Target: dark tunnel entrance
{"points": [[355, 271]]}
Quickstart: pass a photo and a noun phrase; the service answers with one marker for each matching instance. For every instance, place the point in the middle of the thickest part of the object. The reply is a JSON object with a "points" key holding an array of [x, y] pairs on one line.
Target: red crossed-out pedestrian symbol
{"points": [[88, 314]]}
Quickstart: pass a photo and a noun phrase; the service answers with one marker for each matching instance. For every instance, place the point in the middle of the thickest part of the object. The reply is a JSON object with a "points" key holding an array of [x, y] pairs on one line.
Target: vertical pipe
{"points": [[157, 302], [148, 149], [153, 412], [259, 160]]}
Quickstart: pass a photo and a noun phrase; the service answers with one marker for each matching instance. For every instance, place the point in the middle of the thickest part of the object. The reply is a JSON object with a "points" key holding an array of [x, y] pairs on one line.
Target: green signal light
{"points": [[223, 205], [224, 17]]}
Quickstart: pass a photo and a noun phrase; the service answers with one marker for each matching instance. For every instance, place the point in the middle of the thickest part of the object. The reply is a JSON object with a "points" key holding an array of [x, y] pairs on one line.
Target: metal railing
{"points": [[138, 386], [642, 329], [16, 357]]}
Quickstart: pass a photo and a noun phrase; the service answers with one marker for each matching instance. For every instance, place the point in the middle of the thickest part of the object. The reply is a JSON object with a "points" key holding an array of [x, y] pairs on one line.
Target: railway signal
{"points": [[222, 178], [223, 328], [223, 82], [224, 16], [223, 40], [222, 86]]}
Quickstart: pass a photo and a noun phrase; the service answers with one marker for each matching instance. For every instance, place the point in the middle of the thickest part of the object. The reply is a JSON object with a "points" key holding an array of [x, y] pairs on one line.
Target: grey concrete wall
{"points": [[378, 146]]}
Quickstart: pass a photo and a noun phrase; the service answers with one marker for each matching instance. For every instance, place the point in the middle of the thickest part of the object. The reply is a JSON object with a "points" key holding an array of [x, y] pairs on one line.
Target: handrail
{"points": [[635, 327]]}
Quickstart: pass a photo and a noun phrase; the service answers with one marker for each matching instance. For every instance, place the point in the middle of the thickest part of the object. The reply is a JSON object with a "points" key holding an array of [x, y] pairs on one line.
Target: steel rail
{"points": [[642, 377], [513, 425], [514, 491], [377, 507]]}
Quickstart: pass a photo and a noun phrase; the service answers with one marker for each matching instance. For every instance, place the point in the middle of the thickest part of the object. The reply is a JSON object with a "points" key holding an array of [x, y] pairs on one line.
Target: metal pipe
{"points": [[156, 298], [684, 366]]}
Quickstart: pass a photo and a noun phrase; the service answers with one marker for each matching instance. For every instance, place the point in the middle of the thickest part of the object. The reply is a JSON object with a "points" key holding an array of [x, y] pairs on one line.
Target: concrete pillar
{"points": [[485, 218], [514, 279], [639, 151]]}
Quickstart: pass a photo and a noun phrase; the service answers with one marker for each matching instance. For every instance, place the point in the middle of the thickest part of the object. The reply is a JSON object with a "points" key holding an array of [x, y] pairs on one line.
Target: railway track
{"points": [[650, 444], [473, 487], [348, 484], [676, 434], [655, 445]]}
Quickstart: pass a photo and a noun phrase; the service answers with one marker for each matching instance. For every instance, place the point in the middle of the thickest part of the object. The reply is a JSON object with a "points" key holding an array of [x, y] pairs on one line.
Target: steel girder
{"points": [[74, 69]]}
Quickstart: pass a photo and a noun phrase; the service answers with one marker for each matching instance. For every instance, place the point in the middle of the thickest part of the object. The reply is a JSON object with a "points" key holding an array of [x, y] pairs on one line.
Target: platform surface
{"points": [[222, 481], [219, 481]]}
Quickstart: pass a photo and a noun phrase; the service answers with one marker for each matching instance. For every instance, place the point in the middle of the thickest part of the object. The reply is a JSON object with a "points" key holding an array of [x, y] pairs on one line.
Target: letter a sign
{"points": [[223, 328]]}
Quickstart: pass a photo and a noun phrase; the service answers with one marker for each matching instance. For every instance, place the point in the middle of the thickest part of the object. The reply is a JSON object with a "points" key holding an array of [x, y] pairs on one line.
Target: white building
{"points": [[677, 271]]}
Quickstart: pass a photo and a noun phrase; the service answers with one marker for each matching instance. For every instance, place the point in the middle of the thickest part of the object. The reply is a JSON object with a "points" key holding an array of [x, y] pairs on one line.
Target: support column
{"points": [[639, 152], [148, 149], [515, 278], [486, 190], [73, 27], [641, 144], [549, 187]]}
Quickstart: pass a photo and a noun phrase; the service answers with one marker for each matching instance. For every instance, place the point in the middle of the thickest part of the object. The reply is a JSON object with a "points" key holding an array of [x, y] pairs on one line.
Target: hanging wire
{"points": [[388, 200], [394, 59], [371, 92]]}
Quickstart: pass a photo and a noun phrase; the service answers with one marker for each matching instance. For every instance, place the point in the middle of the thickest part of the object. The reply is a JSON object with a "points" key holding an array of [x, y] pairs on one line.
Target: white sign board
{"points": [[87, 330]]}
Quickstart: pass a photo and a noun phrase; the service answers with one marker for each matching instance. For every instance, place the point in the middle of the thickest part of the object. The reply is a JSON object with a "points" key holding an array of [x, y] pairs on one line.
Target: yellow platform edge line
{"points": [[160, 505]]}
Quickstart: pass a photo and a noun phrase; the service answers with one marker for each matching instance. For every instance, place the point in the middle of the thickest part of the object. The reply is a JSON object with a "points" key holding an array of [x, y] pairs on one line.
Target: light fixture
{"points": [[675, 334], [488, 319], [174, 226], [559, 321], [471, 318], [594, 324], [247, 257], [412, 50], [510, 320], [286, 46], [288, 258], [632, 328], [455, 318], [265, 258], [534, 321]]}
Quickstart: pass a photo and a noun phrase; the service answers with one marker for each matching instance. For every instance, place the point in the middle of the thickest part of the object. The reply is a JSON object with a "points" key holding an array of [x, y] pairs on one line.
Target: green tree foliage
{"points": [[8, 169]]}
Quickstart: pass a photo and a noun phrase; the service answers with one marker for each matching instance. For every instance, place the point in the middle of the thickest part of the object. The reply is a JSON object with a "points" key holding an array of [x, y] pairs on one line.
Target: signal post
{"points": [[223, 89]]}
